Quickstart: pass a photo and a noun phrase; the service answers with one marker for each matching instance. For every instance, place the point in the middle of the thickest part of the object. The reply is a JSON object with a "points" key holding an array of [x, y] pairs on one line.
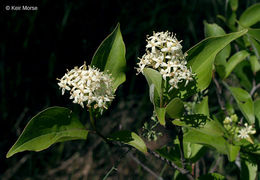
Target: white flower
{"points": [[243, 134], [88, 85], [164, 53], [246, 131]]}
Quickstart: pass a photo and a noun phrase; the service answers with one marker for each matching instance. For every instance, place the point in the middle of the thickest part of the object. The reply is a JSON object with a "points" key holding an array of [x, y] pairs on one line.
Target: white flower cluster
{"points": [[164, 53], [246, 131], [230, 123], [88, 85]]}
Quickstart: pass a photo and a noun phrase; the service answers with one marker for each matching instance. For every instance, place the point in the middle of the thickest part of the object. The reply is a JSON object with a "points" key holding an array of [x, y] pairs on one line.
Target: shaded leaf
{"points": [[256, 47], [54, 124], [171, 154], [110, 56], [201, 57], [154, 79], [129, 138], [255, 33], [257, 111], [248, 170], [241, 71], [244, 102], [255, 65], [175, 108]]}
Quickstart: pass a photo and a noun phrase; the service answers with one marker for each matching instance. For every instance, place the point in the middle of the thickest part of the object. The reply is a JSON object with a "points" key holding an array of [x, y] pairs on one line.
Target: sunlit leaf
{"points": [[201, 57], [193, 151], [154, 80], [202, 107], [129, 138], [250, 16], [241, 71], [160, 112], [110, 56], [54, 124]]}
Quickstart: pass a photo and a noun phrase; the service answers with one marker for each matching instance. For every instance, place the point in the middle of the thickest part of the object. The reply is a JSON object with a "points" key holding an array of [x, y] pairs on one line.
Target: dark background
{"points": [[36, 47]]}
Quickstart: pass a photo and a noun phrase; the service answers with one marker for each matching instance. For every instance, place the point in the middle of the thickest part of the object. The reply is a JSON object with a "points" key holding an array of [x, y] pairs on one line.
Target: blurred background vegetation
{"points": [[36, 47]]}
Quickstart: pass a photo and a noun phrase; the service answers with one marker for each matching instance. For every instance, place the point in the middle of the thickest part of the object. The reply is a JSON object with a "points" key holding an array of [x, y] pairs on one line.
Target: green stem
{"points": [[92, 121]]}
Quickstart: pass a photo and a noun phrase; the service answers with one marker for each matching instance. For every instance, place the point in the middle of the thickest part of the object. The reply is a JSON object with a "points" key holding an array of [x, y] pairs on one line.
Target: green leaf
{"points": [[54, 124], [255, 66], [202, 107], [201, 57], [110, 56], [212, 176], [234, 60], [248, 170], [241, 71], [211, 134], [255, 33], [211, 127], [233, 152], [257, 110], [175, 108], [212, 30], [160, 112], [250, 16], [129, 138], [256, 47], [233, 4], [231, 22], [193, 151], [244, 102], [198, 137], [154, 80]]}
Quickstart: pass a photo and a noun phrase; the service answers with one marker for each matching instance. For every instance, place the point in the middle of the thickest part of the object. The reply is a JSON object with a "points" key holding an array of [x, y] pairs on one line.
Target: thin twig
{"points": [[255, 87], [11, 171], [114, 167], [219, 92], [214, 168], [203, 165], [109, 172], [172, 164], [144, 166]]}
